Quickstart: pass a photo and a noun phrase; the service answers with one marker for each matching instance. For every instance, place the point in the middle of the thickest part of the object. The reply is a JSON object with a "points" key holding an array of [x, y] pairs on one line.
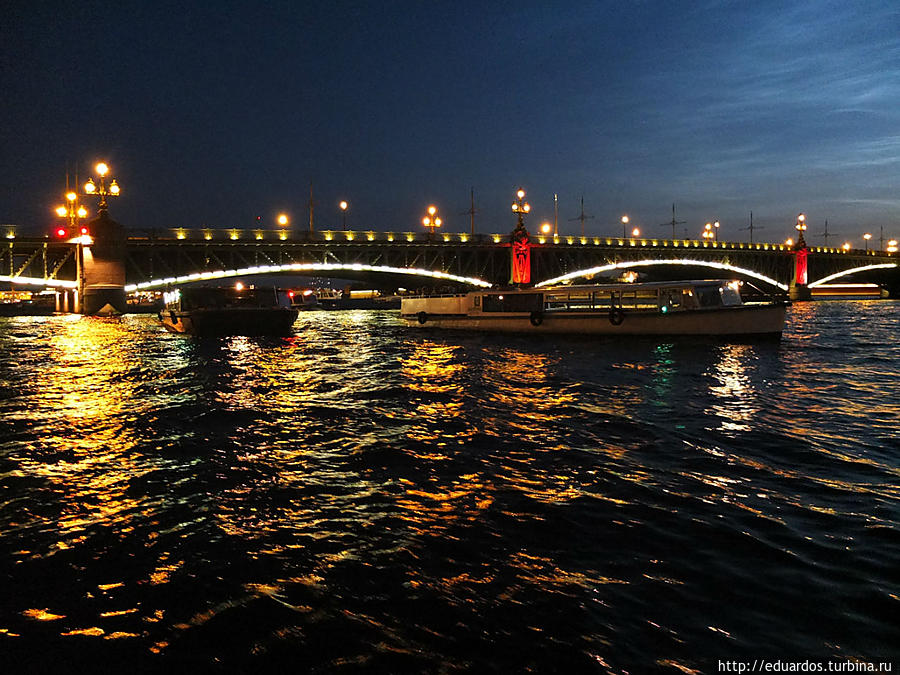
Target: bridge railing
{"points": [[376, 236]]}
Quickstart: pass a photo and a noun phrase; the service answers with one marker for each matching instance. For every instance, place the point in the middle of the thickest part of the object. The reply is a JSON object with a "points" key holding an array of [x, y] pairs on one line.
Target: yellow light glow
{"points": [[546, 228], [343, 205], [437, 222], [89, 187], [82, 212], [867, 236], [61, 211], [239, 286], [114, 188], [515, 207], [426, 221], [101, 169], [71, 196], [636, 232], [625, 220], [789, 242], [520, 194], [432, 210], [526, 207], [801, 218], [846, 246], [282, 219]]}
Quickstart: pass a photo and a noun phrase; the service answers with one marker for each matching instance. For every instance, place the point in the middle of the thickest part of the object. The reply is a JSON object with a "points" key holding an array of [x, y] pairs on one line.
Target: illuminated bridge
{"points": [[154, 260]]}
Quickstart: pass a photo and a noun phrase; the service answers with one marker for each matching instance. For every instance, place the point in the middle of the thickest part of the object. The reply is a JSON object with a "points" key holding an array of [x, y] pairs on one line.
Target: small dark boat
{"points": [[228, 311]]}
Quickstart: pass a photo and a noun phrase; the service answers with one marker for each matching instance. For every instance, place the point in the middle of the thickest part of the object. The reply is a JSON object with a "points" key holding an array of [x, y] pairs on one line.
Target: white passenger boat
{"points": [[660, 308]]}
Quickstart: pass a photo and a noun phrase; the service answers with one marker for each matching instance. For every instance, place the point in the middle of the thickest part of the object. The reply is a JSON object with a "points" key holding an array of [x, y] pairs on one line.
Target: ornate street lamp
{"points": [[520, 207], [71, 211], [707, 231], [625, 220], [867, 236], [432, 221], [102, 189], [343, 206], [801, 228]]}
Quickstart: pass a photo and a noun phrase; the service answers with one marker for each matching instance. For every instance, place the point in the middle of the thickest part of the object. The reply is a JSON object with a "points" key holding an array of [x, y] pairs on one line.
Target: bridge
{"points": [[160, 258]]}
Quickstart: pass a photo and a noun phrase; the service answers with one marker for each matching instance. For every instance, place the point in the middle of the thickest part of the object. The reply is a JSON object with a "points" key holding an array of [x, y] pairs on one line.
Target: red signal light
{"points": [[61, 232], [84, 230]]}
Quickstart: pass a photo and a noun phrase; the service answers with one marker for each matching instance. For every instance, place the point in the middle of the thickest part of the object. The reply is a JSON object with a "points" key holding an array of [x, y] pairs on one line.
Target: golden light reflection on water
{"points": [[735, 398], [83, 391]]}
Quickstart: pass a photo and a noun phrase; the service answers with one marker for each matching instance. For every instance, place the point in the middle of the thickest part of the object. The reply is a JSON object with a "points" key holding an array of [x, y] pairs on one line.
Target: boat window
{"points": [[602, 299], [689, 298], [730, 295], [514, 302], [476, 301], [579, 300], [671, 298], [709, 296]]}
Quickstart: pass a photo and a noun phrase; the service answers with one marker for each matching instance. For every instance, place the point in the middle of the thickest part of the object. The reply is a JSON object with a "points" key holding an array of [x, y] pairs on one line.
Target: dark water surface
{"points": [[367, 497]]}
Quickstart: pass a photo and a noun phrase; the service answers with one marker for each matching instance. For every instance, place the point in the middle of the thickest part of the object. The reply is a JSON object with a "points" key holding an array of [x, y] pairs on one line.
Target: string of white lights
{"points": [[35, 281], [838, 275], [303, 267], [642, 263]]}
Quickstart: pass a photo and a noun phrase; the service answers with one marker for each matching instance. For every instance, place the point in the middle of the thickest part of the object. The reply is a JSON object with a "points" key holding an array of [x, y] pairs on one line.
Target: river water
{"points": [[366, 497]]}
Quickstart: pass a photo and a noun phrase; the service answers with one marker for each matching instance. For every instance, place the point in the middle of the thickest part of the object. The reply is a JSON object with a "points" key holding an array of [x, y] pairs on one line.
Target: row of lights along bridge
{"points": [[72, 211]]}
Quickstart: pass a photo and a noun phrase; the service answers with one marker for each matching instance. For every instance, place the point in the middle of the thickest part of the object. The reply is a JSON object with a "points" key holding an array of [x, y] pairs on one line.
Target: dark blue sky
{"points": [[212, 114]]}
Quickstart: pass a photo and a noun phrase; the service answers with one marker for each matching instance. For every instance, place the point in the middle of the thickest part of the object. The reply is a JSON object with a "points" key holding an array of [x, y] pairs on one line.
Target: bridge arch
{"points": [[644, 263], [316, 268], [844, 273]]}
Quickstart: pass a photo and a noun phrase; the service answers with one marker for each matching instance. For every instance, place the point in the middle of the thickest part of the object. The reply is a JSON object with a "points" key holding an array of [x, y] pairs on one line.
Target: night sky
{"points": [[211, 114]]}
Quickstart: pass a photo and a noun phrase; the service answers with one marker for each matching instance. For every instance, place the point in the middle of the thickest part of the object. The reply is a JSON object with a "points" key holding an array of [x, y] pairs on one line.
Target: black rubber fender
{"points": [[422, 317], [536, 318], [616, 316]]}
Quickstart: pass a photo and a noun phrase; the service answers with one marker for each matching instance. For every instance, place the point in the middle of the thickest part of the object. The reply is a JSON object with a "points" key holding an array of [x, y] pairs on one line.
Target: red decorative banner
{"points": [[800, 272], [521, 257]]}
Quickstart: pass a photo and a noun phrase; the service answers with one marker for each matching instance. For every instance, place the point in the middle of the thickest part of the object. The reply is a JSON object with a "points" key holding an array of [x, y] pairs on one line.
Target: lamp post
{"points": [[101, 187], [716, 230], [707, 231], [625, 220], [520, 207], [343, 206], [72, 211], [801, 228], [432, 221], [867, 236]]}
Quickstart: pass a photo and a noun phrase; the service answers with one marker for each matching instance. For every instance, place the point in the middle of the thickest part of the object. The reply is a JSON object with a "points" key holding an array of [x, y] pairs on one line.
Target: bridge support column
{"points": [[799, 288], [101, 279]]}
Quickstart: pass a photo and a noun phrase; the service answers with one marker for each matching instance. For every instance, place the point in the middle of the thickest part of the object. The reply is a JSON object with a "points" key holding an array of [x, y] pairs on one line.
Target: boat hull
{"points": [[250, 321], [745, 320]]}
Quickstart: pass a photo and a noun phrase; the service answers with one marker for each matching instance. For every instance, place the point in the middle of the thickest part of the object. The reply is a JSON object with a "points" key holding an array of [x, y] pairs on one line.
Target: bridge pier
{"points": [[101, 269]]}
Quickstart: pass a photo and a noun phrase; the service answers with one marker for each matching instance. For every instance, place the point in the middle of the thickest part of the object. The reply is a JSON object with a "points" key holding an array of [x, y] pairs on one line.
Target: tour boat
{"points": [[710, 307], [228, 311]]}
